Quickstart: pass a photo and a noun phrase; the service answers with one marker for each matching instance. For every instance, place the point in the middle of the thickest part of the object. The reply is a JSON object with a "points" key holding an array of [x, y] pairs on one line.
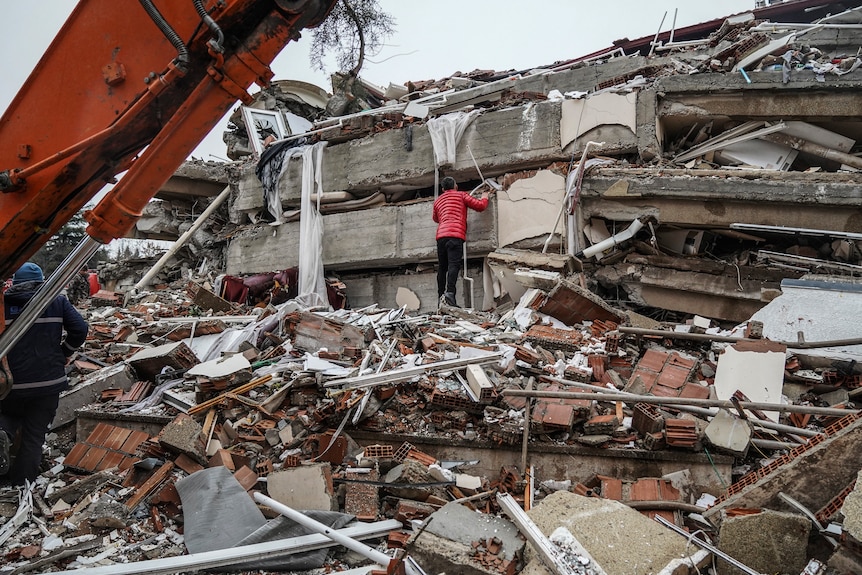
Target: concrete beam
{"points": [[575, 462], [391, 161], [389, 236], [718, 198]]}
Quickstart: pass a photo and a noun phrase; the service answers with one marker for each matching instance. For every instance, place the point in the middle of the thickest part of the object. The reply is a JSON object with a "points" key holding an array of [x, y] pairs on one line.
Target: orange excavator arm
{"points": [[127, 87]]}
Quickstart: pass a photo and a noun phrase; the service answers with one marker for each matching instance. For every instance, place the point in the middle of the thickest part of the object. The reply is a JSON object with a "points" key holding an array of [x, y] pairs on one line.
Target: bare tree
{"points": [[353, 30]]}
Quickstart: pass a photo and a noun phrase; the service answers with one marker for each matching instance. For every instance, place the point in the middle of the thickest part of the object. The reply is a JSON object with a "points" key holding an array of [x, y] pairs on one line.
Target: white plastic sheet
{"points": [[312, 285], [446, 132]]}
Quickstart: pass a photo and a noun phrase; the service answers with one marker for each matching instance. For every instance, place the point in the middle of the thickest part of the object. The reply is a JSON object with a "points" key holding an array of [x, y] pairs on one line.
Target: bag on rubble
{"points": [[5, 378]]}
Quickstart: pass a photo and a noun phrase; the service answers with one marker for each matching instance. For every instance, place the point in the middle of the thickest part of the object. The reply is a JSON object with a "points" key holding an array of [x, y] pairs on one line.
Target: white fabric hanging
{"points": [[312, 284], [446, 132]]}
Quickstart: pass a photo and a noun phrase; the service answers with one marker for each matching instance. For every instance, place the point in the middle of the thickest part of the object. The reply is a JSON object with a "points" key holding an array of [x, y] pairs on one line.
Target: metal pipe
{"points": [[654, 42], [364, 550], [148, 277], [829, 411], [46, 294], [230, 557], [707, 546], [665, 506], [723, 338], [706, 412], [796, 231], [569, 189], [673, 26], [814, 149], [774, 26], [626, 234], [771, 444]]}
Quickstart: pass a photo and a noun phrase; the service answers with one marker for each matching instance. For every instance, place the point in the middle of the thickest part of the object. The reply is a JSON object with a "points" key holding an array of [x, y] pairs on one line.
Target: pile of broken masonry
{"points": [[209, 431]]}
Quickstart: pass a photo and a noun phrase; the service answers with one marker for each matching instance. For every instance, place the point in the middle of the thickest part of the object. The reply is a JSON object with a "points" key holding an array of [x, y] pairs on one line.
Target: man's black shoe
{"points": [[4, 453], [449, 299]]}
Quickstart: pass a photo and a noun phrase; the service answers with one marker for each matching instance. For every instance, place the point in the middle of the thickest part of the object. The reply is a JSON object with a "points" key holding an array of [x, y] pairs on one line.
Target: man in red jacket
{"points": [[450, 213]]}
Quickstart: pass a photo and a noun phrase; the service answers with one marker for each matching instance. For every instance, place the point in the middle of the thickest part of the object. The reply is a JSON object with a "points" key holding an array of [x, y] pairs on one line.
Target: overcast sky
{"points": [[431, 40]]}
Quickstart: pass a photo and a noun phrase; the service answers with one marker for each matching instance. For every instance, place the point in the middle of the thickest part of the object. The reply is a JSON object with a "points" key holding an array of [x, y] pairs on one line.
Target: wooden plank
{"points": [[241, 389], [150, 484]]}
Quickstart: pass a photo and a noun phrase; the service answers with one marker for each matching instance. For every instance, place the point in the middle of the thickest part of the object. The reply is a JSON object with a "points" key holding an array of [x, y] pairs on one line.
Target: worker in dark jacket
{"points": [[450, 213], [38, 366]]}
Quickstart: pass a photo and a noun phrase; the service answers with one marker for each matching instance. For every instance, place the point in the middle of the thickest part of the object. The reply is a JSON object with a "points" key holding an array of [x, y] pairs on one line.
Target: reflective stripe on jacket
{"points": [[38, 360]]}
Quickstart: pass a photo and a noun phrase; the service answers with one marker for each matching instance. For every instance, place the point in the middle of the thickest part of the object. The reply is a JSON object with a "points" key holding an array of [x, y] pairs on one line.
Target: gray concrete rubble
{"points": [[769, 541], [656, 336]]}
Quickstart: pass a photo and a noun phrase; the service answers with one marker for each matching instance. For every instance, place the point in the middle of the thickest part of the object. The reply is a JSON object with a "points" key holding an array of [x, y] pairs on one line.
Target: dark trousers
{"points": [[31, 416], [450, 257]]}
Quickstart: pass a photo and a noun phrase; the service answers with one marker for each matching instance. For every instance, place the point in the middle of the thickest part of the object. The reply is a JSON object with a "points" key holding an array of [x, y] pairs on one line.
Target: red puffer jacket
{"points": [[450, 213]]}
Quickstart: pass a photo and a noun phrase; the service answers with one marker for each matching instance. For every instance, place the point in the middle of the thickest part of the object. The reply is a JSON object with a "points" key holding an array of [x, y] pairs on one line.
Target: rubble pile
{"points": [[378, 420]]}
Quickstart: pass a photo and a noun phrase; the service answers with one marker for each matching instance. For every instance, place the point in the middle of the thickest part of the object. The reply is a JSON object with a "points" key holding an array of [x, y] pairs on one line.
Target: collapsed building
{"points": [[656, 317]]}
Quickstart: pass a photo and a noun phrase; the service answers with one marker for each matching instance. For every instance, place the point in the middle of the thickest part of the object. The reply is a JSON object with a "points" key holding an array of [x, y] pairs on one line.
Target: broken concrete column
{"points": [[768, 542]]}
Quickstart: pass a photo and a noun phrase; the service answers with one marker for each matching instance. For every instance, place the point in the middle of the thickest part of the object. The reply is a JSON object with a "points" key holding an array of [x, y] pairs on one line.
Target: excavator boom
{"points": [[128, 87], [124, 87]]}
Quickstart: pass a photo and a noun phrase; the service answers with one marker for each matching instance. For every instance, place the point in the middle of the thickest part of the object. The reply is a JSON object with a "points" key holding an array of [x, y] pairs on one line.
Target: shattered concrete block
{"points": [[109, 513], [149, 362], [459, 523], [304, 487], [407, 473], [619, 538], [813, 476], [407, 297], [728, 433], [183, 435], [362, 499], [440, 555], [572, 304], [845, 560], [768, 542], [119, 376]]}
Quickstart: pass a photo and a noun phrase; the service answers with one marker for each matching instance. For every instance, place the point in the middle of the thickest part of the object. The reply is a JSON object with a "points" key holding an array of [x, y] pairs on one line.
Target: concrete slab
{"points": [[819, 310], [304, 487], [574, 462], [813, 476], [149, 362], [529, 207], [619, 538], [183, 435], [119, 376], [389, 236], [755, 369], [768, 542], [437, 554], [458, 523], [606, 110]]}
